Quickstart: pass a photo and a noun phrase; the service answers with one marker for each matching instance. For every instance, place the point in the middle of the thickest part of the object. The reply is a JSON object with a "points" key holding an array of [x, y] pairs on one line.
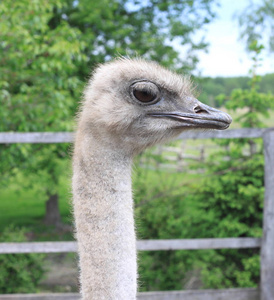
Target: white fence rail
{"points": [[227, 294], [142, 245], [266, 290], [67, 137]]}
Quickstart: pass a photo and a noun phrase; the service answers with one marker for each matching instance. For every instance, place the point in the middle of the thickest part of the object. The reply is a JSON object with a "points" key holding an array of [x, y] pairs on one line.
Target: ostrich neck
{"points": [[103, 210]]}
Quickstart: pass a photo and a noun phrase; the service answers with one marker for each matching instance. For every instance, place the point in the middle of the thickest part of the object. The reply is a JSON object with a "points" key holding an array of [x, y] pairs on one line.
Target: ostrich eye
{"points": [[144, 96], [145, 92]]}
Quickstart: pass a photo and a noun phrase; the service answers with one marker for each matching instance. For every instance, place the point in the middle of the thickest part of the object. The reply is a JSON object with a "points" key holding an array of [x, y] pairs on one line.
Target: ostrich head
{"points": [[135, 104]]}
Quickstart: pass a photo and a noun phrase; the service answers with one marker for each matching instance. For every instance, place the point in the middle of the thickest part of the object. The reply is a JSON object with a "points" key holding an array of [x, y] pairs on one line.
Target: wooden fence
{"points": [[266, 243]]}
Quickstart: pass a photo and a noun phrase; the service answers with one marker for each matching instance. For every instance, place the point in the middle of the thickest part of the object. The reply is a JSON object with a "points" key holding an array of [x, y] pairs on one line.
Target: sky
{"points": [[226, 54]]}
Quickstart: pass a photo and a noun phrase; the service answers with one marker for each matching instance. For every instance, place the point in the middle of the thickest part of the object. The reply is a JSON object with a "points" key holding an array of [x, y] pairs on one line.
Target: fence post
{"points": [[267, 249]]}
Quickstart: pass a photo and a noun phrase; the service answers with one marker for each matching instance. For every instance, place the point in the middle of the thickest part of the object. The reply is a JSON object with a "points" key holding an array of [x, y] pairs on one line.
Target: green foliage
{"points": [[257, 104], [20, 273], [39, 83], [257, 22], [145, 28], [228, 269], [160, 214], [47, 49], [214, 90], [237, 193], [226, 202], [38, 66], [234, 189], [234, 192], [167, 208]]}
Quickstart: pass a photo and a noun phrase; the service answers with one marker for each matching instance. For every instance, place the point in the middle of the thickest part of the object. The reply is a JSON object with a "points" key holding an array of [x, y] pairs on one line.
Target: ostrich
{"points": [[128, 106]]}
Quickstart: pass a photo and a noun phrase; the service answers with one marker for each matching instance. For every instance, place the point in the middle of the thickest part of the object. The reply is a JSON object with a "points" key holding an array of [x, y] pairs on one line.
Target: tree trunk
{"points": [[52, 216], [252, 147]]}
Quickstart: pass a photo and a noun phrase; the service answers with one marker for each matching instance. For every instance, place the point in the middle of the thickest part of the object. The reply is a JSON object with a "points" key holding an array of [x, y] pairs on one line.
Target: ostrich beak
{"points": [[202, 116]]}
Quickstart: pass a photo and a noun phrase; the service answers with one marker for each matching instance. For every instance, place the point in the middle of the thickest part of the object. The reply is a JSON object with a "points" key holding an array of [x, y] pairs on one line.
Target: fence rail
{"points": [[68, 137], [226, 294], [142, 245], [266, 290]]}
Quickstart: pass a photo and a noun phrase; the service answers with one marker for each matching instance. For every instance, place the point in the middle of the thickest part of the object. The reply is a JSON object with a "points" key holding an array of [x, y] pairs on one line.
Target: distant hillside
{"points": [[212, 87]]}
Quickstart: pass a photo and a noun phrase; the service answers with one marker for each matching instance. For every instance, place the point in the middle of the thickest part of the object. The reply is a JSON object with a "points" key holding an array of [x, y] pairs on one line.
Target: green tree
{"points": [[234, 189], [20, 273], [212, 87], [226, 202], [257, 23], [145, 28], [47, 49], [38, 87]]}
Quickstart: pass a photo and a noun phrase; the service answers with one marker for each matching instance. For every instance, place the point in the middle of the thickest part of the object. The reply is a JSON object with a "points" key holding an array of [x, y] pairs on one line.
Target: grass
{"points": [[25, 207]]}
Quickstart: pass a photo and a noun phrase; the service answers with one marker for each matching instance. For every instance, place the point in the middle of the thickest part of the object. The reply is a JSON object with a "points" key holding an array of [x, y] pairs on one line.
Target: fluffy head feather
{"points": [[112, 104]]}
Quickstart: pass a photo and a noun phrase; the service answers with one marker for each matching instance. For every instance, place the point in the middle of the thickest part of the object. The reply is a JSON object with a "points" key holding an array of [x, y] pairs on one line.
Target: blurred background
{"points": [[187, 189]]}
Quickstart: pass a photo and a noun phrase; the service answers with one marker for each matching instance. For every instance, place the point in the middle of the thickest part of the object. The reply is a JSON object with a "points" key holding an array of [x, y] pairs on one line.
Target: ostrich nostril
{"points": [[198, 110]]}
